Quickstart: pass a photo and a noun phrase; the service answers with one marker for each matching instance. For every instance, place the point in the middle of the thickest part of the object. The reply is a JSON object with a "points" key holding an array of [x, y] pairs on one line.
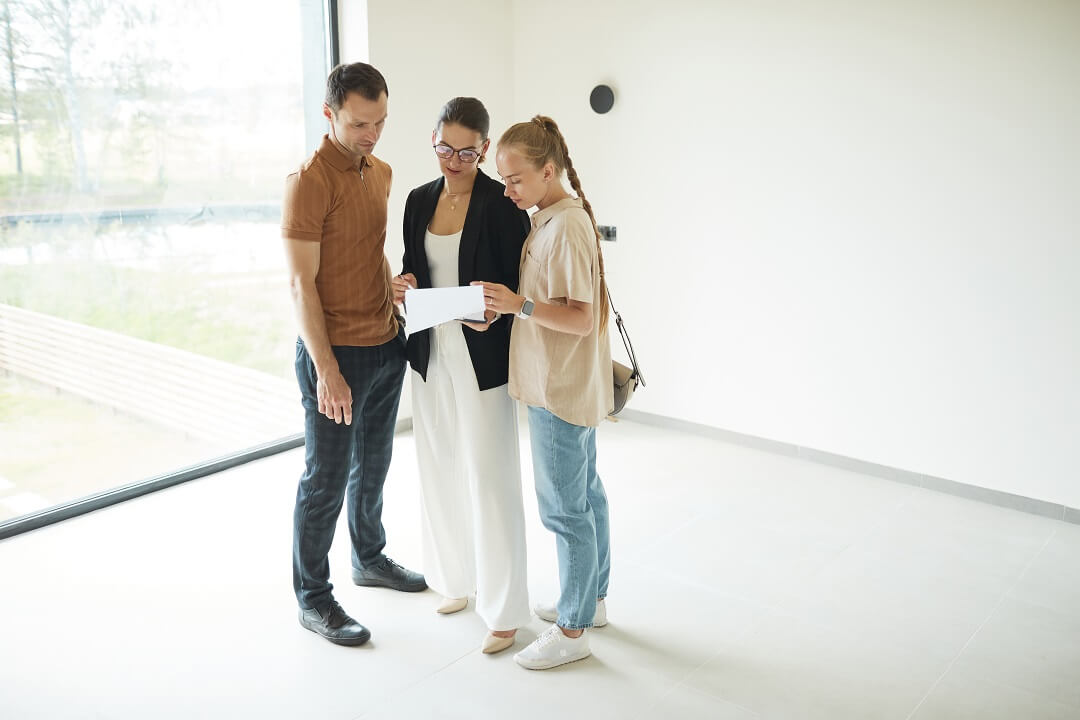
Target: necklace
{"points": [[453, 197]]}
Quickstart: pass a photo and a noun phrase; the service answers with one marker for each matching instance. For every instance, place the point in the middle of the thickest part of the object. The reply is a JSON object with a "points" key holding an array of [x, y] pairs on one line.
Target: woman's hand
{"points": [[572, 316], [500, 298], [400, 284], [490, 316]]}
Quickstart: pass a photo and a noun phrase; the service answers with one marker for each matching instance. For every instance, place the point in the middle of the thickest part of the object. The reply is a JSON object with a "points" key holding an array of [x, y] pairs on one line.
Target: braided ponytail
{"points": [[543, 142]]}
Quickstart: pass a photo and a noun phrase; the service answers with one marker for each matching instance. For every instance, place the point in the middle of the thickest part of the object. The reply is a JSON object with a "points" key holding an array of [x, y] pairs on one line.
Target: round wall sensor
{"points": [[602, 98]]}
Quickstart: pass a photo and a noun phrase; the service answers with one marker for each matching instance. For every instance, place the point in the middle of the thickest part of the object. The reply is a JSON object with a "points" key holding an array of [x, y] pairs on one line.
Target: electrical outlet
{"points": [[607, 232]]}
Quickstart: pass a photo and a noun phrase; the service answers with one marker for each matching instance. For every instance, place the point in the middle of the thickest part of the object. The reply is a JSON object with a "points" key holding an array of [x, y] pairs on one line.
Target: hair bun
{"points": [[546, 123]]}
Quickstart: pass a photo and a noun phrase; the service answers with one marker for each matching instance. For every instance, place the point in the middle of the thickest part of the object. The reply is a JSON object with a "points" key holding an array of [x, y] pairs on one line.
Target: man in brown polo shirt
{"points": [[350, 357]]}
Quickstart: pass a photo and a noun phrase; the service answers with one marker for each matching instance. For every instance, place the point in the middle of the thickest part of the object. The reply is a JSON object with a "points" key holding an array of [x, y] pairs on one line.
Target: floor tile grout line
{"points": [[648, 712], [680, 526], [704, 693], [737, 641], [789, 592], [423, 678], [873, 529], [701, 691], [738, 638], [989, 616], [698, 585]]}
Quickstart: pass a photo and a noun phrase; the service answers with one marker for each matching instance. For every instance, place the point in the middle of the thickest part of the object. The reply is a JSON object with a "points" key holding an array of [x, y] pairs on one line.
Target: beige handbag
{"points": [[626, 379]]}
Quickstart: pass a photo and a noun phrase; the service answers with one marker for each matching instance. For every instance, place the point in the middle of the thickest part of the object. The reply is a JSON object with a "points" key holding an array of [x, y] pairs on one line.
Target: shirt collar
{"points": [[541, 217], [338, 159]]}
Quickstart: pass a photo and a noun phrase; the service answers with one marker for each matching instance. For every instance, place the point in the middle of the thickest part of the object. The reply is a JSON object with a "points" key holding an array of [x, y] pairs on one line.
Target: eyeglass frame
{"points": [[455, 151]]}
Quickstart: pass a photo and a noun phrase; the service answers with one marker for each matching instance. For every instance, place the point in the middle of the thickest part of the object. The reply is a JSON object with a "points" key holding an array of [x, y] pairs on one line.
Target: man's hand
{"points": [[335, 396]]}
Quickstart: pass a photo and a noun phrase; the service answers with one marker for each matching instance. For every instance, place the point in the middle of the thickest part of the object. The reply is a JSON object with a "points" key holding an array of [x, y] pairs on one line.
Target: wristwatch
{"points": [[526, 309]]}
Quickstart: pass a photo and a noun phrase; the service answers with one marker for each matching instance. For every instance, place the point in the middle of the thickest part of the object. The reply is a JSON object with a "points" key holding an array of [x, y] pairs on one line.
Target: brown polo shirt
{"points": [[329, 201]]}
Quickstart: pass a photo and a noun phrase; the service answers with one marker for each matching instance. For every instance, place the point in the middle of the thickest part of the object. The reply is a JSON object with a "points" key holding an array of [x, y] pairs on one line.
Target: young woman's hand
{"points": [[500, 298], [400, 284]]}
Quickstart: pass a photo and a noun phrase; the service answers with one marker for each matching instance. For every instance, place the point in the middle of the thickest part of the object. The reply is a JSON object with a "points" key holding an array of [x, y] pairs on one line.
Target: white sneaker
{"points": [[552, 648], [546, 611]]}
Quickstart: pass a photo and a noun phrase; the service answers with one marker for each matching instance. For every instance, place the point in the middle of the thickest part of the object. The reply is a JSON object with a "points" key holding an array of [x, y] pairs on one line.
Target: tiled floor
{"points": [[745, 585]]}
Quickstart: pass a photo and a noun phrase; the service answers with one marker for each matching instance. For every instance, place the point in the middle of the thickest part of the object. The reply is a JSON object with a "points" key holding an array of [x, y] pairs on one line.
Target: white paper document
{"points": [[433, 306]]}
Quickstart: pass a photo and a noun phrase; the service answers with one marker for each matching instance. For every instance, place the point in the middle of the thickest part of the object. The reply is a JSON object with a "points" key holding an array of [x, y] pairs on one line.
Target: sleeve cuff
{"points": [[290, 234]]}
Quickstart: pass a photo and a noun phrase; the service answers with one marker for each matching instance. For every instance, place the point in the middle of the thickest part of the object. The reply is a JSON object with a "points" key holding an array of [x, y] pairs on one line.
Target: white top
{"points": [[442, 257]]}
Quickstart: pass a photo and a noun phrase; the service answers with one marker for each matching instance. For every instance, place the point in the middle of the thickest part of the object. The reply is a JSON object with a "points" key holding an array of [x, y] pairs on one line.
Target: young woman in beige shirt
{"points": [[560, 366]]}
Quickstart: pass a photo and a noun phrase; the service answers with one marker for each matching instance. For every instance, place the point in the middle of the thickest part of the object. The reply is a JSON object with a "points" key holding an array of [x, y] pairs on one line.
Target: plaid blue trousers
{"points": [[345, 461]]}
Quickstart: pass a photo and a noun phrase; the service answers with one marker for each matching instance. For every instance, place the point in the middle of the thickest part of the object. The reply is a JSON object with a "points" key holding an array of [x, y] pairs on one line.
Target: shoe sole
{"points": [[553, 617], [379, 583], [348, 642], [548, 665]]}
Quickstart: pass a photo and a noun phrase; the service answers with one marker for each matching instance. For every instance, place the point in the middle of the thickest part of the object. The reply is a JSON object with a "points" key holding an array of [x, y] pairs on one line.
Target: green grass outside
{"points": [[245, 318], [63, 448]]}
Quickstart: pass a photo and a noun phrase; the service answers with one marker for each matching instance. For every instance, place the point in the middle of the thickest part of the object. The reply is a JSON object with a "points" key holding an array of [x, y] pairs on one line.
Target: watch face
{"points": [[527, 308]]}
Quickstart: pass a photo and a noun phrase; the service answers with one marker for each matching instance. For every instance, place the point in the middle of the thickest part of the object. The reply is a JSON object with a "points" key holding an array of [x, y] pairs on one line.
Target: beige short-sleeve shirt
{"points": [[331, 202], [569, 375]]}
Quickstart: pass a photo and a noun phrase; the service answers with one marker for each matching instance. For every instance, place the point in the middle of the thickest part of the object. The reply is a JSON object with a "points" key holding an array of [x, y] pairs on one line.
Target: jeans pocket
{"points": [[305, 375]]}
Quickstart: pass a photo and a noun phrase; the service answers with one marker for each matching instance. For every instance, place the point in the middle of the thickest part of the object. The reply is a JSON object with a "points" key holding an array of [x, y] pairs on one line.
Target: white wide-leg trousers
{"points": [[473, 523]]}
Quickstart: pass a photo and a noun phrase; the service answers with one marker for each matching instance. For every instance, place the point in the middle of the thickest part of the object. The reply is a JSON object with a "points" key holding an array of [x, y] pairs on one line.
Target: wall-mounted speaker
{"points": [[602, 98]]}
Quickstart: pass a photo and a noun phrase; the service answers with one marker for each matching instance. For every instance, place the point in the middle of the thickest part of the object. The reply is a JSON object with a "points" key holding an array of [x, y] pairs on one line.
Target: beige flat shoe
{"points": [[494, 644], [452, 605]]}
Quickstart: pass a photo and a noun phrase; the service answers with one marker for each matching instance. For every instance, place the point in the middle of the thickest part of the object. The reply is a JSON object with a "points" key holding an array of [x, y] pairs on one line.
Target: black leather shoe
{"points": [[389, 574], [334, 625]]}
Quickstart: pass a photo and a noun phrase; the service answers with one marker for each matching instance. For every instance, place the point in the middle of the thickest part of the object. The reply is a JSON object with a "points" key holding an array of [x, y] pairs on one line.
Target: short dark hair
{"points": [[354, 77], [467, 112]]}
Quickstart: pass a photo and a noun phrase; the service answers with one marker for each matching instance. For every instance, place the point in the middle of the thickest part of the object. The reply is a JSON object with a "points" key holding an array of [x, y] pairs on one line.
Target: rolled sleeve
{"points": [[570, 264]]}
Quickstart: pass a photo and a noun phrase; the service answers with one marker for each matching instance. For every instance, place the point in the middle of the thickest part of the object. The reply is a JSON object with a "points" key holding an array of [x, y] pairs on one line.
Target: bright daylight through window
{"points": [[145, 322]]}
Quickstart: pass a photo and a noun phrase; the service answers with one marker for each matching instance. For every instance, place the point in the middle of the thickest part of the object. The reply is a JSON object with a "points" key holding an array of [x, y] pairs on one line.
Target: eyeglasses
{"points": [[466, 155]]}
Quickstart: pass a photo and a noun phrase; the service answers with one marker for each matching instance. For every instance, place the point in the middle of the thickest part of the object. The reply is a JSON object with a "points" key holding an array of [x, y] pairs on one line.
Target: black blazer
{"points": [[490, 250]]}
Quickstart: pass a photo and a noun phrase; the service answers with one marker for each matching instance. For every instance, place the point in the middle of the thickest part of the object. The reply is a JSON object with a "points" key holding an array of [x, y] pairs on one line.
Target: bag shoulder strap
{"points": [[625, 339]]}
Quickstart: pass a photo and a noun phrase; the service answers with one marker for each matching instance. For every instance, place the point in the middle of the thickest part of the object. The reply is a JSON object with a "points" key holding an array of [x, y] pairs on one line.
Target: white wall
{"points": [[430, 52], [850, 226]]}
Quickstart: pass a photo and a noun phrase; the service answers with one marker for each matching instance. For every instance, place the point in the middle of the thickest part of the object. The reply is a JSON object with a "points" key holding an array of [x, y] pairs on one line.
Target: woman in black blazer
{"points": [[457, 229]]}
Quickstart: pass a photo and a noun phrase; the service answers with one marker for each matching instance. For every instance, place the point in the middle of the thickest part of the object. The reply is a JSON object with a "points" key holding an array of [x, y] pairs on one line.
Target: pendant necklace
{"points": [[453, 197]]}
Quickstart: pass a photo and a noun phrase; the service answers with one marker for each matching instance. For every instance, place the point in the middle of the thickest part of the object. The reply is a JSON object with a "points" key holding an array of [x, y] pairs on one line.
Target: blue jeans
{"points": [[574, 506], [345, 460]]}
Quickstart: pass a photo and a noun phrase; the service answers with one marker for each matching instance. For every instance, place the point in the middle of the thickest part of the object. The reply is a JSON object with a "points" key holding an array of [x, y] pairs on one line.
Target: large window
{"points": [[145, 323]]}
